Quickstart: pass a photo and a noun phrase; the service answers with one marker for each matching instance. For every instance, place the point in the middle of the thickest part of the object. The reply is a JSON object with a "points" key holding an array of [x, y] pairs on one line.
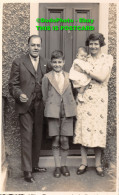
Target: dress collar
{"points": [[101, 55]]}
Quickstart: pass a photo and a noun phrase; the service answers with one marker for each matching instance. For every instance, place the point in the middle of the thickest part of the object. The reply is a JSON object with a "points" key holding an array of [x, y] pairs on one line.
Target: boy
{"points": [[60, 108], [79, 78]]}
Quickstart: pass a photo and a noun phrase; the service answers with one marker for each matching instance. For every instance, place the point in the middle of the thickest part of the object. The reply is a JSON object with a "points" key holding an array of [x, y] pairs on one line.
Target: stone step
{"points": [[73, 161]]}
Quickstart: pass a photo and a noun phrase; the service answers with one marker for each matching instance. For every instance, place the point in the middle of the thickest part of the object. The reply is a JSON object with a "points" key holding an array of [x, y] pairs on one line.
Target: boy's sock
{"points": [[64, 154], [55, 150]]}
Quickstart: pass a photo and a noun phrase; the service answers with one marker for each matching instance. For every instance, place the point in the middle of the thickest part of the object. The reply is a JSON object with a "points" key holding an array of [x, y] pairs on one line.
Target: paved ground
{"points": [[88, 182]]}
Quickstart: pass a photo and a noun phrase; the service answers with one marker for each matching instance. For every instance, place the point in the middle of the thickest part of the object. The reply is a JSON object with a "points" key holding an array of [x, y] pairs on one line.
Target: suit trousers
{"points": [[31, 125]]}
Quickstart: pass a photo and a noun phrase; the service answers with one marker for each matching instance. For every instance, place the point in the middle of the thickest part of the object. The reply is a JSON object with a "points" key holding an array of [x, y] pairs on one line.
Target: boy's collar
{"points": [[58, 72]]}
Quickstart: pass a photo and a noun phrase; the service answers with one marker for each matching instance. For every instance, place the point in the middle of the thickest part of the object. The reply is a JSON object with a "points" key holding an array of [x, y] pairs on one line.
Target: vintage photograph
{"points": [[59, 121]]}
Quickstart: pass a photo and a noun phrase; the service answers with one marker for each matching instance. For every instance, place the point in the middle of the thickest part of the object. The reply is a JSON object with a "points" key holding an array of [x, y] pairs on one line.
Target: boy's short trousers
{"points": [[62, 126]]}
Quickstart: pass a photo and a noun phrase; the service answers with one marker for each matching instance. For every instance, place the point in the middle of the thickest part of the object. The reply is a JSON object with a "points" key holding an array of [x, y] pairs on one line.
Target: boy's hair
{"points": [[57, 54], [82, 49]]}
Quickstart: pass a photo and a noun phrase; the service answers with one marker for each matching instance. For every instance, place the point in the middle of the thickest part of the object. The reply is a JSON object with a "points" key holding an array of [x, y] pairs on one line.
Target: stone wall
{"points": [[16, 30], [110, 151]]}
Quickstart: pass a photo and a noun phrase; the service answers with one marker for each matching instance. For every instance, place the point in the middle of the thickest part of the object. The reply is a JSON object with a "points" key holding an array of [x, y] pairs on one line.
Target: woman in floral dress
{"points": [[90, 128]]}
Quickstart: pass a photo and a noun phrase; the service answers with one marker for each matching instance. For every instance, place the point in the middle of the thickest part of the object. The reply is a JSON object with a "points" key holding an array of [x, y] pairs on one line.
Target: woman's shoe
{"points": [[100, 171], [81, 171], [57, 172], [65, 171]]}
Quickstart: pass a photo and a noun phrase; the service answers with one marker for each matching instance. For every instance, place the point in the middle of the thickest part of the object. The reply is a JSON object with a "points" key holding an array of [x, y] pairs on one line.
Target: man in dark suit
{"points": [[25, 87]]}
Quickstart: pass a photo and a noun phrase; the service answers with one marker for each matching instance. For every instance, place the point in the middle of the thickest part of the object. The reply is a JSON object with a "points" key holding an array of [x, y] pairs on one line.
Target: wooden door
{"points": [[66, 40]]}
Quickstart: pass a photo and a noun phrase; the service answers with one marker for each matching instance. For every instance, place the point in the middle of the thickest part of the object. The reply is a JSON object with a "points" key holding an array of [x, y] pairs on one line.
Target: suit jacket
{"points": [[23, 80], [53, 98]]}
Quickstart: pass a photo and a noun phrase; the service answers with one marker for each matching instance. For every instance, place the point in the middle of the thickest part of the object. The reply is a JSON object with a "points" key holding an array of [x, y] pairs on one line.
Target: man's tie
{"points": [[35, 64]]}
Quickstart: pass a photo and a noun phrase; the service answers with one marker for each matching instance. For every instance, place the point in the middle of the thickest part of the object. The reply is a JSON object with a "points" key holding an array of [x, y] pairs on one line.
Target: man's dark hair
{"points": [[34, 36]]}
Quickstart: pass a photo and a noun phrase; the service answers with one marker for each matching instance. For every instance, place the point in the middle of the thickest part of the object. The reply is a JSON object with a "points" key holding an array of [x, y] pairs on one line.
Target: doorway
{"points": [[65, 40]]}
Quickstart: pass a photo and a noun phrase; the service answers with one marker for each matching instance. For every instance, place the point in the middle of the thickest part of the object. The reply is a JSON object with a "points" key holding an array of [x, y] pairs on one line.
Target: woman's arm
{"points": [[103, 71], [99, 75]]}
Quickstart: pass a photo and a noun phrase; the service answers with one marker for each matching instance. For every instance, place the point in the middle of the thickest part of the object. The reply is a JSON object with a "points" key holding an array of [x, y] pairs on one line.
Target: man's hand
{"points": [[23, 98]]}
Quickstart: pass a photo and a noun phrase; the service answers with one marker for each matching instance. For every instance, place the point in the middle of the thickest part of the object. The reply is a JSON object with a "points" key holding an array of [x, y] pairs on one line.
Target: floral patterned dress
{"points": [[90, 128]]}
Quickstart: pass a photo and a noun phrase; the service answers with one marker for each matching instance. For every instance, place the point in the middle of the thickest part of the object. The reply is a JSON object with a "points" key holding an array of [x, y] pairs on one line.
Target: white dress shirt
{"points": [[59, 76], [35, 62]]}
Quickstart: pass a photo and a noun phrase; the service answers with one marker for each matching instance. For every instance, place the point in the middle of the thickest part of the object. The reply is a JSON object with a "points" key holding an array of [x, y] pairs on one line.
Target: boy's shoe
{"points": [[81, 171], [65, 171], [57, 172]]}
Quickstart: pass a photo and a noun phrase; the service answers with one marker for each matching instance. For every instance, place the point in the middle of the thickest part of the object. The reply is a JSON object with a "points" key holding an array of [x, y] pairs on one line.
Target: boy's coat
{"points": [[52, 96]]}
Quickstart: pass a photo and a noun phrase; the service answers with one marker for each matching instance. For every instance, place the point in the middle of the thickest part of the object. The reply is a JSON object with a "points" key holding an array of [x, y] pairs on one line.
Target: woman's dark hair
{"points": [[94, 37]]}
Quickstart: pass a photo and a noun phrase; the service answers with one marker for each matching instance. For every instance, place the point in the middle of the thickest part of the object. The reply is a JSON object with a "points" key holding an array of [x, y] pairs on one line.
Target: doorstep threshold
{"points": [[72, 161]]}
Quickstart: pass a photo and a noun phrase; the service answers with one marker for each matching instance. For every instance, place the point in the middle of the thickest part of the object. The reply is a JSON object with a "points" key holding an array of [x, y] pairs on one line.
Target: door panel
{"points": [[79, 37], [54, 39], [67, 41]]}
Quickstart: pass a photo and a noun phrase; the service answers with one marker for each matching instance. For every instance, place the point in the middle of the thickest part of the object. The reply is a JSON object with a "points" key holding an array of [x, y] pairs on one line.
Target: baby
{"points": [[79, 78]]}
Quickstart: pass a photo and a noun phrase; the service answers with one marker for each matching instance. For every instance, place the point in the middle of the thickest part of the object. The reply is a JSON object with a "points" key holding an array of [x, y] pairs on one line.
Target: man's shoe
{"points": [[99, 171], [39, 169], [65, 171], [81, 171], [57, 172], [28, 176]]}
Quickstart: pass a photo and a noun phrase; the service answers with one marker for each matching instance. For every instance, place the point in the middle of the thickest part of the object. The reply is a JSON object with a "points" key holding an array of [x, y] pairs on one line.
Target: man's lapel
{"points": [[42, 65], [28, 64], [39, 70]]}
